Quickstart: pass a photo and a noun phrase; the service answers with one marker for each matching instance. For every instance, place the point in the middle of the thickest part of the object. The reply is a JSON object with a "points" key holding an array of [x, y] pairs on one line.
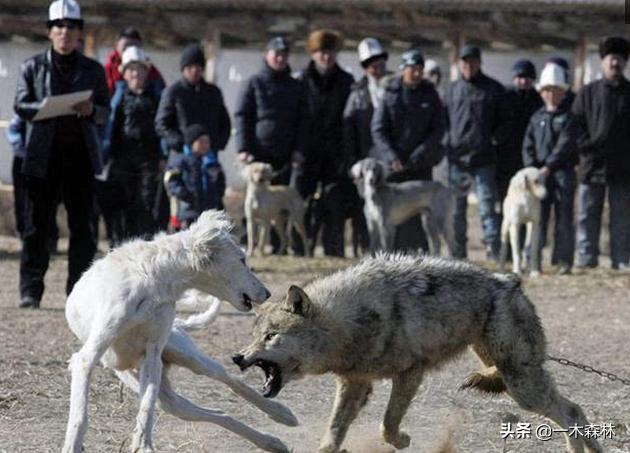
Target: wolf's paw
{"points": [[399, 440]]}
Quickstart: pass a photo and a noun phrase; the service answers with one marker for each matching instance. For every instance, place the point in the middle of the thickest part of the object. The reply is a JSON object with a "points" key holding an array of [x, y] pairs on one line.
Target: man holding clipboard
{"points": [[63, 97]]}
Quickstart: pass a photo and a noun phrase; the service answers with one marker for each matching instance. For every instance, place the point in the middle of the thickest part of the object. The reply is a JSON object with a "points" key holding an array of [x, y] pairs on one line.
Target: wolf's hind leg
{"points": [[404, 388], [350, 398], [533, 389]]}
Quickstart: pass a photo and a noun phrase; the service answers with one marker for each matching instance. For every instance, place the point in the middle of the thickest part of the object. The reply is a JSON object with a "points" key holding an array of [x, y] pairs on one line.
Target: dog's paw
{"points": [[273, 444], [282, 414], [534, 274]]}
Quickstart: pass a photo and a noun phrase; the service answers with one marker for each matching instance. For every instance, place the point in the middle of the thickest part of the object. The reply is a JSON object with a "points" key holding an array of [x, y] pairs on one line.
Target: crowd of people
{"points": [[154, 148]]}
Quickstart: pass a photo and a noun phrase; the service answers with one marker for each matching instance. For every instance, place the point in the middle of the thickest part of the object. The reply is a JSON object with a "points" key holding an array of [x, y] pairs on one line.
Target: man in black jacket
{"points": [[327, 88], [270, 117], [523, 101], [408, 127], [62, 153], [192, 100], [477, 123], [602, 109]]}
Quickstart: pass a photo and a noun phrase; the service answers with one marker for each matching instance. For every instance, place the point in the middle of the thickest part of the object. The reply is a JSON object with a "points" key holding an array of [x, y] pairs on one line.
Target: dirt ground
{"points": [[586, 316]]}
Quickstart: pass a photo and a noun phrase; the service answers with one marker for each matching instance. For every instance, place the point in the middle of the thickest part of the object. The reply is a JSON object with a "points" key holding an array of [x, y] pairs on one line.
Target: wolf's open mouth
{"points": [[273, 378]]}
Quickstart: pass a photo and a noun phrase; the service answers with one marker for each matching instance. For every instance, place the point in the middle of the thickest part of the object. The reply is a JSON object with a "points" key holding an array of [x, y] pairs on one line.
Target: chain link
{"points": [[590, 369]]}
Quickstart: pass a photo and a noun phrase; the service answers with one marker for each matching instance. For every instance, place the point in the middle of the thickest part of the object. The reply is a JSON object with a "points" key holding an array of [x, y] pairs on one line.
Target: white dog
{"points": [[267, 205], [522, 206], [123, 311]]}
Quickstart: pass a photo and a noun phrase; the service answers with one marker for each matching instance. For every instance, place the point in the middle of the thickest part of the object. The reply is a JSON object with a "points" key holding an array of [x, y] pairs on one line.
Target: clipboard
{"points": [[61, 105]]}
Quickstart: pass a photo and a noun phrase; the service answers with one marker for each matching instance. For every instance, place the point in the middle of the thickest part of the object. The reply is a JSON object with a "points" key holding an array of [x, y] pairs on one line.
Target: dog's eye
{"points": [[270, 336]]}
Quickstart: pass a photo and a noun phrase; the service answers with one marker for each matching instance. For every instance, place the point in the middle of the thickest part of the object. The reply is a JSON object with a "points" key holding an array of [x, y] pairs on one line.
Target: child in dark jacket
{"points": [[550, 144], [193, 179]]}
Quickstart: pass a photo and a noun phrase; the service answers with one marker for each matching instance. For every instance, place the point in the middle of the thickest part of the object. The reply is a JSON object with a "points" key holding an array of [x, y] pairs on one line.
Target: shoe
{"points": [[28, 302], [564, 269], [580, 265], [623, 268]]}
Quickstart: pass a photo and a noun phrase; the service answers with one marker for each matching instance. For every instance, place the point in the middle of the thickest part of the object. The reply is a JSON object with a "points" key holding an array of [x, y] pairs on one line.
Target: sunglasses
{"points": [[66, 24]]}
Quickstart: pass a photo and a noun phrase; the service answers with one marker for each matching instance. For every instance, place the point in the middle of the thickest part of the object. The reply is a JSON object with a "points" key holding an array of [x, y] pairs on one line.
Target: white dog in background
{"points": [[522, 206], [123, 311], [265, 205]]}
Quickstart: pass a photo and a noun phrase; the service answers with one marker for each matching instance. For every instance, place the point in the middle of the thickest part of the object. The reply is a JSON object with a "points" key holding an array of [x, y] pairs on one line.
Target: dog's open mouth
{"points": [[273, 378]]}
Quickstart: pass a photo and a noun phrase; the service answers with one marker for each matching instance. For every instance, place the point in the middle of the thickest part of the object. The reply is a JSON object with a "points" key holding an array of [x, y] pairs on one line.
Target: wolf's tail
{"points": [[198, 320]]}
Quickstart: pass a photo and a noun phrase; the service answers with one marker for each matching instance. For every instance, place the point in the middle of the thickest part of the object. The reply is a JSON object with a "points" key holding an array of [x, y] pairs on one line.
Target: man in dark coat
{"points": [[270, 117], [523, 100], [327, 88], [477, 123], [192, 100], [62, 153], [408, 127], [602, 109]]}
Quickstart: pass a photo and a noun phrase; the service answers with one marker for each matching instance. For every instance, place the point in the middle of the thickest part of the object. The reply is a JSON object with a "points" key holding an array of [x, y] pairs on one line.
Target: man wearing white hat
{"points": [[550, 144], [132, 144], [62, 153]]}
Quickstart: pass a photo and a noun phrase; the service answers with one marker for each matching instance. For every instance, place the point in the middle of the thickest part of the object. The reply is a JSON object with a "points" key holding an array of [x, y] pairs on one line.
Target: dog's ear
{"points": [[356, 170], [207, 234], [297, 302]]}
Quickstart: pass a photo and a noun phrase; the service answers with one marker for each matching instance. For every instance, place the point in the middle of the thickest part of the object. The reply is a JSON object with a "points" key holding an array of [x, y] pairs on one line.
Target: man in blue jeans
{"points": [[477, 123], [602, 109]]}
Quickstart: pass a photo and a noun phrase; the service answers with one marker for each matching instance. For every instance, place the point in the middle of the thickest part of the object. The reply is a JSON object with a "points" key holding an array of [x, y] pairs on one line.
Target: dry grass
{"points": [[586, 317]]}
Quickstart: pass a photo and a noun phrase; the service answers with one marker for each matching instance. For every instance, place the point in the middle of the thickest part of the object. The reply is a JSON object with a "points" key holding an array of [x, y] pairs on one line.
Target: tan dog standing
{"points": [[279, 206], [522, 206]]}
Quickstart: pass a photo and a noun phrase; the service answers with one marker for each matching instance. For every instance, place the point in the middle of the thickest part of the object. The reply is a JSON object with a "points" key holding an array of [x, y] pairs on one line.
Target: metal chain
{"points": [[590, 369]]}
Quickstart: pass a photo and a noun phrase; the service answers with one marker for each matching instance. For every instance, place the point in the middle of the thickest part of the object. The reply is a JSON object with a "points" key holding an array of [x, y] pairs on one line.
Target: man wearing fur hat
{"points": [[603, 112], [62, 153], [327, 88]]}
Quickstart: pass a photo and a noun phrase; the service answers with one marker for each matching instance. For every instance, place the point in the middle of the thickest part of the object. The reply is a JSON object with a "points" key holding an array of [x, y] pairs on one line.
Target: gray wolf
{"points": [[397, 317], [123, 311], [267, 205], [388, 205], [522, 206]]}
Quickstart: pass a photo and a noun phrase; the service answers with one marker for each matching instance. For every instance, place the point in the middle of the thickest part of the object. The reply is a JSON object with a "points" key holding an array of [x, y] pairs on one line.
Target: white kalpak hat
{"points": [[553, 75], [64, 9], [370, 48], [134, 54]]}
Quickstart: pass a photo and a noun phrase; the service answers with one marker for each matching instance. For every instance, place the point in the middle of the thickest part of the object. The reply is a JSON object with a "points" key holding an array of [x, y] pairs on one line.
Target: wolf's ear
{"points": [[297, 302]]}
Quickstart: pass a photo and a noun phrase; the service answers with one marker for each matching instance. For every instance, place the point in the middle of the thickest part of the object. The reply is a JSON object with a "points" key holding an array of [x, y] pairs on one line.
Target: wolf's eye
{"points": [[270, 336]]}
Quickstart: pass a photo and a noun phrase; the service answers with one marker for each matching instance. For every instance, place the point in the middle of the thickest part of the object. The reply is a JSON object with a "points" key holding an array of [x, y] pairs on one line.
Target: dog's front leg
{"points": [[251, 235], [516, 248], [534, 250], [350, 398], [181, 350], [265, 233]]}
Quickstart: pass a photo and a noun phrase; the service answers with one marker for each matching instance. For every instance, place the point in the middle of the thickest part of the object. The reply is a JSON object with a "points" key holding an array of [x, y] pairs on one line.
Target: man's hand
{"points": [[84, 108], [397, 165], [244, 157], [297, 157], [545, 172]]}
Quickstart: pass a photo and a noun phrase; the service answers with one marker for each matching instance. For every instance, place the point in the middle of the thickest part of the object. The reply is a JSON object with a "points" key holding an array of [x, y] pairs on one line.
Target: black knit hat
{"points": [[130, 33], [193, 132], [470, 51], [524, 68], [192, 55], [616, 45]]}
